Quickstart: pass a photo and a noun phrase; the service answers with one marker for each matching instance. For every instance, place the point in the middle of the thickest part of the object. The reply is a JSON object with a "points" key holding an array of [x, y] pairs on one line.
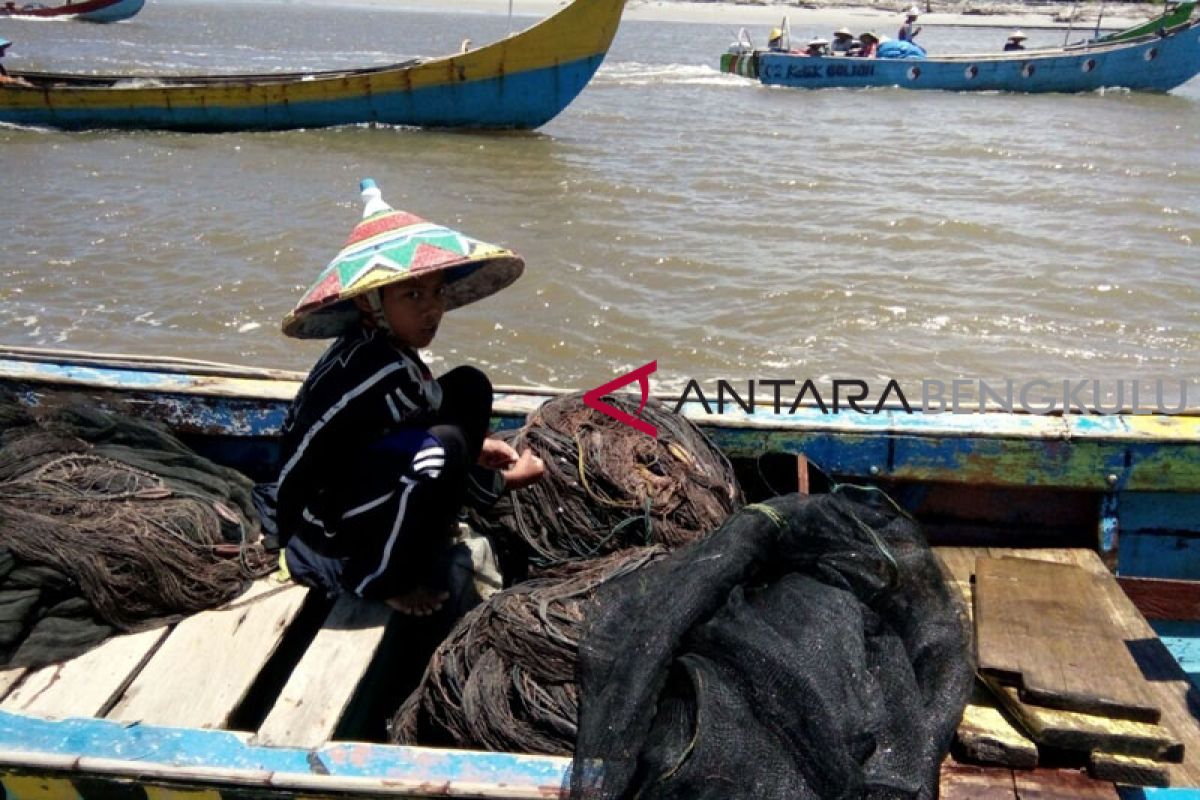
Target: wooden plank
{"points": [[1167, 680], [987, 736], [967, 782], [1072, 730], [1160, 598], [1036, 629], [207, 664], [87, 685], [1061, 784], [1128, 770], [321, 685]]}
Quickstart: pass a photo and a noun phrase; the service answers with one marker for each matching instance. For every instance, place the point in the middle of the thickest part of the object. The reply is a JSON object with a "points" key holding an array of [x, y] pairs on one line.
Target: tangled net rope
{"points": [[609, 487], [110, 524], [504, 679]]}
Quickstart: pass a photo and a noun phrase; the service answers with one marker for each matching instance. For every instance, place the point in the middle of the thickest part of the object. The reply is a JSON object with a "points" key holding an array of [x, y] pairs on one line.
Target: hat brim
{"points": [[468, 280]]}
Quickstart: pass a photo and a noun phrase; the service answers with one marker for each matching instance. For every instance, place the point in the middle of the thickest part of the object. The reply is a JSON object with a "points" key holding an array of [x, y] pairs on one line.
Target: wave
{"points": [[633, 73]]}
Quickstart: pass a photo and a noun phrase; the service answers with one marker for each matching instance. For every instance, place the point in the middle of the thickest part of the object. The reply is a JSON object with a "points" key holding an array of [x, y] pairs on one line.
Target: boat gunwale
{"points": [[264, 385]]}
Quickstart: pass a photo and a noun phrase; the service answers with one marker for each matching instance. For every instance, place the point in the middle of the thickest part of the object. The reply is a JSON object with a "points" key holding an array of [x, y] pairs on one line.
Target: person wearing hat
{"points": [[775, 41], [870, 44], [843, 42], [907, 31], [1016, 41], [817, 47], [377, 456]]}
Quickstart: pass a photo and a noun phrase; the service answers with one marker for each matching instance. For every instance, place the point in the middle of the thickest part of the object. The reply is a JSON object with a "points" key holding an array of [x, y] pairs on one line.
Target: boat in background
{"points": [[1154, 63], [87, 10], [224, 704], [522, 81], [1172, 17]]}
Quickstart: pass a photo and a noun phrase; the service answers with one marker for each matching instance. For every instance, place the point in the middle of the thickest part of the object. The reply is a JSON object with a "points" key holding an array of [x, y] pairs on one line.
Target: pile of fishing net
{"points": [[809, 648], [609, 487], [110, 525], [504, 679]]}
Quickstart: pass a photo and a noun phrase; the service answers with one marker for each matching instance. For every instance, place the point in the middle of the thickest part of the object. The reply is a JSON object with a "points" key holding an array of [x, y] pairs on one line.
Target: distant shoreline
{"points": [[1053, 14]]}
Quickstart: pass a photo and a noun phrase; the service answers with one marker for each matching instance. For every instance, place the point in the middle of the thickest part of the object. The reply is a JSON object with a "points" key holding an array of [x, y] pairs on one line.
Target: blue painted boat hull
{"points": [[1151, 64], [524, 100], [522, 81], [1139, 475]]}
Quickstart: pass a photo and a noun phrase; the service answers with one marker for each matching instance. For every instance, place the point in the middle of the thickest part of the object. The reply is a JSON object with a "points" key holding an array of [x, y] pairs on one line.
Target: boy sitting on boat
{"points": [[378, 457]]}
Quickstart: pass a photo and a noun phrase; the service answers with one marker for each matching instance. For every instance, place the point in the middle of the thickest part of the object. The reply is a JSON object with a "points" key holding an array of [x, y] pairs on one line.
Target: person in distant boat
{"points": [[378, 457], [907, 32], [4, 76], [843, 42], [817, 47], [870, 44], [775, 41], [1016, 41]]}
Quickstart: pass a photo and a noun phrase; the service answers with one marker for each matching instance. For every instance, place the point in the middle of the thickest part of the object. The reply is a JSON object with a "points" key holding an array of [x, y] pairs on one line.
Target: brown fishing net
{"points": [[505, 677], [109, 524], [608, 487]]}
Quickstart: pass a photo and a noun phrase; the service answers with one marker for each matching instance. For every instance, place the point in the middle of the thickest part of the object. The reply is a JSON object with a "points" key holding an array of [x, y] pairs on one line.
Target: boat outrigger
{"points": [[522, 81], [164, 713]]}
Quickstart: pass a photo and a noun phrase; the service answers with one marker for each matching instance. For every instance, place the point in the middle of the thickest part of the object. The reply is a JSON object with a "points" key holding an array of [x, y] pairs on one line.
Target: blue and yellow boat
{"points": [[522, 81], [1155, 62], [242, 703]]}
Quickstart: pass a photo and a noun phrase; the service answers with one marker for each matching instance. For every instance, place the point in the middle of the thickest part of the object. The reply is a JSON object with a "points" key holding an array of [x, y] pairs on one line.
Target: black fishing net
{"points": [[808, 649], [109, 524], [608, 487], [505, 677]]}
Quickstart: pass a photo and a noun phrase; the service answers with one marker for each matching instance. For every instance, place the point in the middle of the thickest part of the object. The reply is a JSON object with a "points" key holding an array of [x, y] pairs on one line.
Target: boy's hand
{"points": [[496, 454], [528, 469]]}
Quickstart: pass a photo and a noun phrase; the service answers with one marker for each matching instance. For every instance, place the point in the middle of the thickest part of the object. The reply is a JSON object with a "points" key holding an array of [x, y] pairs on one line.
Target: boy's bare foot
{"points": [[419, 602]]}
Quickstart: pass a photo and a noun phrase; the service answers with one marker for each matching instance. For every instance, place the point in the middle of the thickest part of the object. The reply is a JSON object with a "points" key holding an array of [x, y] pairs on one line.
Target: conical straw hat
{"points": [[390, 246]]}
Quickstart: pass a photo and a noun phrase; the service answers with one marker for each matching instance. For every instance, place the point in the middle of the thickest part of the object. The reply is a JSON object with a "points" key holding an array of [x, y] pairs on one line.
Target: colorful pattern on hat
{"points": [[390, 246]]}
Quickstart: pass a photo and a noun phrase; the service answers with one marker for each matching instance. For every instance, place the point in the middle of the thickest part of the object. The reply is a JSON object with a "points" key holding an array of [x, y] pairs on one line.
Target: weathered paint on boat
{"points": [[1171, 18], [88, 10], [1153, 63], [1137, 477], [522, 81]]}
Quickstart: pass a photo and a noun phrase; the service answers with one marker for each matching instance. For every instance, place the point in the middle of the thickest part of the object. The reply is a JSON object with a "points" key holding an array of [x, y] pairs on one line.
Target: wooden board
{"points": [[87, 685], [1061, 784], [1128, 770], [967, 782], [1037, 628], [987, 736], [321, 685], [1168, 683], [207, 664], [1085, 733]]}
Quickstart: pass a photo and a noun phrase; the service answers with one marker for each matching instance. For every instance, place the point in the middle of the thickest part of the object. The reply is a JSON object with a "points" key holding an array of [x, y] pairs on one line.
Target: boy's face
{"points": [[414, 309]]}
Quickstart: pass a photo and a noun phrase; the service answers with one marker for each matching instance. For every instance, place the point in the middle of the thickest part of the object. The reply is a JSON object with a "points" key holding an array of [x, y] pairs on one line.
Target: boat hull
{"points": [[89, 11], [520, 82], [1133, 475], [1156, 64]]}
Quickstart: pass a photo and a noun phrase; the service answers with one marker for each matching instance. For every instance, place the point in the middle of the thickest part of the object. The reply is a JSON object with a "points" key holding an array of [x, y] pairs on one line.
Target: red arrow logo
{"points": [[642, 376]]}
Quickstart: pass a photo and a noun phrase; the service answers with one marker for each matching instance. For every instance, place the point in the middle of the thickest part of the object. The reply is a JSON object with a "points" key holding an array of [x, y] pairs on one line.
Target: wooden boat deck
{"points": [[211, 671]]}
